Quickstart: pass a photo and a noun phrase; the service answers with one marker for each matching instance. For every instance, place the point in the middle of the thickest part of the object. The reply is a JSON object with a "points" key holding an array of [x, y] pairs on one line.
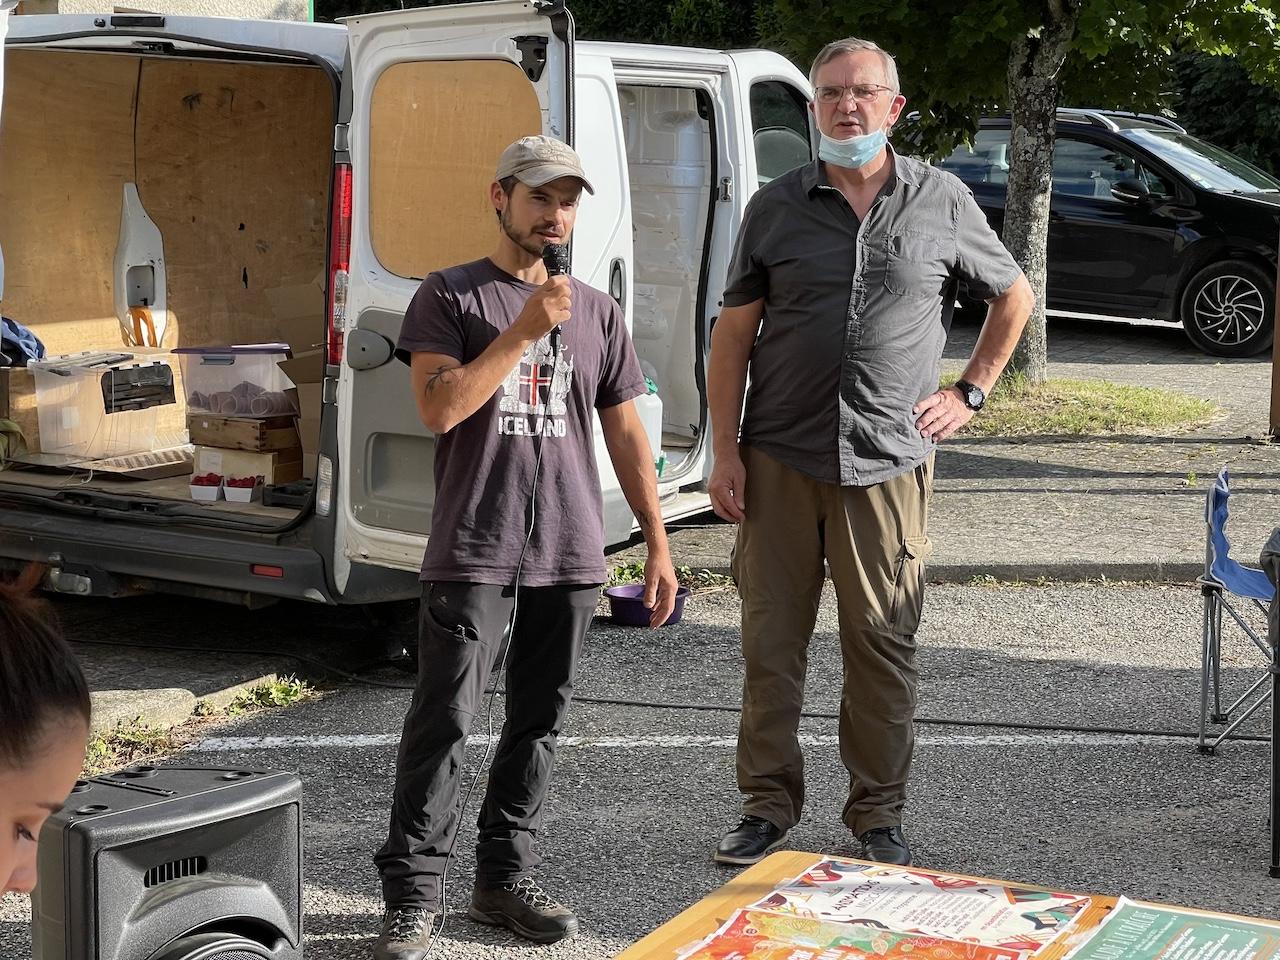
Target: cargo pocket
{"points": [[444, 613], [908, 586], [914, 266]]}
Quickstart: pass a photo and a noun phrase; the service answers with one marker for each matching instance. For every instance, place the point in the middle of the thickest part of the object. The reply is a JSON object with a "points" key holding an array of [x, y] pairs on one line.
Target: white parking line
{"points": [[695, 742]]}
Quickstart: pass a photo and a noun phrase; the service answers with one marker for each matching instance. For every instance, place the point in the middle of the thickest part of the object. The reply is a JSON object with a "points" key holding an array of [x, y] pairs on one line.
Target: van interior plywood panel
{"points": [[234, 164], [66, 153], [437, 128]]}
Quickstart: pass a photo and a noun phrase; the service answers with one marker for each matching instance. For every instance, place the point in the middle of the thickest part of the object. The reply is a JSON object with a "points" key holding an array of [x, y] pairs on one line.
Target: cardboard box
{"points": [[243, 433], [274, 466], [309, 395], [18, 403], [297, 318], [306, 366]]}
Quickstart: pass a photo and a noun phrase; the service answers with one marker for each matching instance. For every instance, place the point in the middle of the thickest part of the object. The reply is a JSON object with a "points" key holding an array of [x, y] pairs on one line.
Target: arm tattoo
{"points": [[649, 523], [441, 374]]}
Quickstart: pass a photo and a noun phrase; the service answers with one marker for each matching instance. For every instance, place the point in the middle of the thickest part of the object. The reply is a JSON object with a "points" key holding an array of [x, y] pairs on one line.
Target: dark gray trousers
{"points": [[460, 632]]}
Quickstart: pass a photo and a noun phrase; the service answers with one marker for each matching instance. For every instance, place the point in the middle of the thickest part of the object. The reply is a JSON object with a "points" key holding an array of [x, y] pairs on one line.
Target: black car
{"points": [[1147, 221]]}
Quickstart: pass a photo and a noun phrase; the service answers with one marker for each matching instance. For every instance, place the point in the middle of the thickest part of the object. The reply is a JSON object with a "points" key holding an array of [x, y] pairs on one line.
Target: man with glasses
{"points": [[835, 306]]}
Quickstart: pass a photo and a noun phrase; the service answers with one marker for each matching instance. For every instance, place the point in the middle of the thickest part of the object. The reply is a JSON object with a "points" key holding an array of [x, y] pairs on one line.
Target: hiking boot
{"points": [[406, 934], [525, 908], [886, 845], [749, 842]]}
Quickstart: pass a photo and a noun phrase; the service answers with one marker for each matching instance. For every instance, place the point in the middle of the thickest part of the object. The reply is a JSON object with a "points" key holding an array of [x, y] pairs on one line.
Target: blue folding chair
{"points": [[1223, 581]]}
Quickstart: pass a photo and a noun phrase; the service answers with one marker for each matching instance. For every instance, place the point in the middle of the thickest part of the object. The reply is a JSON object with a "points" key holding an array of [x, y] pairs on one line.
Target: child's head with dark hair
{"points": [[44, 722]]}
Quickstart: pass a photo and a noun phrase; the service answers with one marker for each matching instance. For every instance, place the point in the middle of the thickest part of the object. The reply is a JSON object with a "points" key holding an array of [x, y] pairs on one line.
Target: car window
{"points": [[1208, 166], [1158, 185], [986, 161], [1082, 169], [780, 128]]}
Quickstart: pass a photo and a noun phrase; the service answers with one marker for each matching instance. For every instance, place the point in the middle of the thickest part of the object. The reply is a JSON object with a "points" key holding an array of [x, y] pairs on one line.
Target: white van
{"points": [[293, 182]]}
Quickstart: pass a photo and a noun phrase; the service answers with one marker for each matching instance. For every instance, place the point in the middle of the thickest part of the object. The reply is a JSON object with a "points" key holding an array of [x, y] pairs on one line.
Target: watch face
{"points": [[975, 397]]}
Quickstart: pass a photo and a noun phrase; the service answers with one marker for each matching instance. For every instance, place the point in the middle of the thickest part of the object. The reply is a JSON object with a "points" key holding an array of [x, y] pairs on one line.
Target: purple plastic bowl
{"points": [[626, 605]]}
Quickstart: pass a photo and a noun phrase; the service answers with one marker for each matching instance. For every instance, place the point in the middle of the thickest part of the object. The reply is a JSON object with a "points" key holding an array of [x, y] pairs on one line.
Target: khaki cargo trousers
{"points": [[874, 541]]}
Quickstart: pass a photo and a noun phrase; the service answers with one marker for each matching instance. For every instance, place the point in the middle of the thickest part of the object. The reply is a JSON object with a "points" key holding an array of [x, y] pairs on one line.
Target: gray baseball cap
{"points": [[535, 161]]}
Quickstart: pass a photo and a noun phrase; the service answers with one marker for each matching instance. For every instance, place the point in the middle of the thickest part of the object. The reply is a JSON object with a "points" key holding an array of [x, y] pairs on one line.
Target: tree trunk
{"points": [[1035, 80]]}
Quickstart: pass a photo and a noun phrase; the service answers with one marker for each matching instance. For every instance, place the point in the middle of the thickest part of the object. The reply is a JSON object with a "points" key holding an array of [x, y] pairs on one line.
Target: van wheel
{"points": [[1228, 309]]}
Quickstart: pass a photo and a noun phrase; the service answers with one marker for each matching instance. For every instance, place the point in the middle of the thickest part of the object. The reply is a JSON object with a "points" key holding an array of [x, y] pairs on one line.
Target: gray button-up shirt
{"points": [[852, 335]]}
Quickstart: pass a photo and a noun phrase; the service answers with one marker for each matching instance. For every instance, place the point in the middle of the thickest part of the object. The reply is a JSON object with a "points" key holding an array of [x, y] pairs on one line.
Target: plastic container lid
{"points": [[239, 349]]}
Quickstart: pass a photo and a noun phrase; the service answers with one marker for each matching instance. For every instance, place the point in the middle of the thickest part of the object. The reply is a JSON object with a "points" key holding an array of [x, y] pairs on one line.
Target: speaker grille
{"points": [[174, 870], [236, 954]]}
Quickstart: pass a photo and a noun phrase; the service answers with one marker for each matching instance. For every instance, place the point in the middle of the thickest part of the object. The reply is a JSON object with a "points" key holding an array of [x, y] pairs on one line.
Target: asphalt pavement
{"points": [[641, 793]]}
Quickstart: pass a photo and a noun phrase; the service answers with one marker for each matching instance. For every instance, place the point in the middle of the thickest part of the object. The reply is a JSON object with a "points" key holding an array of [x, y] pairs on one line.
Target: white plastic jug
{"points": [[650, 409]]}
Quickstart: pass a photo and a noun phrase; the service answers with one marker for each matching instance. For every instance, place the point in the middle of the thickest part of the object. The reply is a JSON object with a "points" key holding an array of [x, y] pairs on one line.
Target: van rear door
{"points": [[437, 93]]}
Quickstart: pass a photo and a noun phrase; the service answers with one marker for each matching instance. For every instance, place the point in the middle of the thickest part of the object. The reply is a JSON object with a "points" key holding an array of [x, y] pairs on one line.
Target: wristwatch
{"points": [[973, 395]]}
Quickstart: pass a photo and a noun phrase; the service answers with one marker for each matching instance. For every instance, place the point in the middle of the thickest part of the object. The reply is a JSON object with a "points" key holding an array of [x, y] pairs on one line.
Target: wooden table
{"points": [[707, 915]]}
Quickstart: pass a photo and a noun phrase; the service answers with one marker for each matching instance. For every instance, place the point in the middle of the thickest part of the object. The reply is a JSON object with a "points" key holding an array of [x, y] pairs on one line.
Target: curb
{"points": [[162, 708]]}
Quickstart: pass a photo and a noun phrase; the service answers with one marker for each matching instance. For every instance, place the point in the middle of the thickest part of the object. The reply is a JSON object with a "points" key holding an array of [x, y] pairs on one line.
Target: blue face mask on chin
{"points": [[852, 153]]}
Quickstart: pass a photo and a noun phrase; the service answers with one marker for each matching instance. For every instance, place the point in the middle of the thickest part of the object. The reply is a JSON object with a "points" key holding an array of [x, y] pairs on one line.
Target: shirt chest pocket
{"points": [[915, 265]]}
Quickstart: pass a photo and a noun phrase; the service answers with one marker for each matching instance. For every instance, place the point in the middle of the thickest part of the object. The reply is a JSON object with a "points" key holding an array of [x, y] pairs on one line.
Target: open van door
{"points": [[435, 95]]}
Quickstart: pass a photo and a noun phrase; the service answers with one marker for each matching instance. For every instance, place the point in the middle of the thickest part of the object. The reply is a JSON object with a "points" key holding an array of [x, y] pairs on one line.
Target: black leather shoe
{"points": [[749, 842], [886, 845], [406, 934], [525, 908]]}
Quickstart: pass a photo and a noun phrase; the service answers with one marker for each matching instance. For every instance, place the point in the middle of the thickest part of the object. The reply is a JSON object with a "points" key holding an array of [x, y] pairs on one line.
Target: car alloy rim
{"points": [[1230, 309]]}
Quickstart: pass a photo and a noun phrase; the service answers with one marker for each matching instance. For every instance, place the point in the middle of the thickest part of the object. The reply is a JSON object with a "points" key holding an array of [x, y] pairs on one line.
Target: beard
{"points": [[528, 242]]}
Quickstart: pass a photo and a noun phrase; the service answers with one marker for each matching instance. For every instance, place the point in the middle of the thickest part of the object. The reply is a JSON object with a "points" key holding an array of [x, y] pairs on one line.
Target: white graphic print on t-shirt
{"points": [[533, 395]]}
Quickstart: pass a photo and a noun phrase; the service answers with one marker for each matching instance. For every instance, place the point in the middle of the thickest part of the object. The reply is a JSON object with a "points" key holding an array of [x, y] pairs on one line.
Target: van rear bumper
{"points": [[94, 557]]}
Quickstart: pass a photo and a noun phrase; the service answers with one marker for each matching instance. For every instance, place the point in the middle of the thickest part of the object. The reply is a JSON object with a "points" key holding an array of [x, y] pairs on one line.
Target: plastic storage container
{"points": [[99, 405], [238, 381]]}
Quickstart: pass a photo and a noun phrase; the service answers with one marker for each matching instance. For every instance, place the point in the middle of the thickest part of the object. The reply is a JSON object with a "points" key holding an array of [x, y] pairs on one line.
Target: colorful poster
{"points": [[757, 935], [1134, 931], [984, 912]]}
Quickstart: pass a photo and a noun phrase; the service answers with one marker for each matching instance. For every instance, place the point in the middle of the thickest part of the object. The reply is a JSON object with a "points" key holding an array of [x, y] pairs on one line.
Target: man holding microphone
{"points": [[508, 367]]}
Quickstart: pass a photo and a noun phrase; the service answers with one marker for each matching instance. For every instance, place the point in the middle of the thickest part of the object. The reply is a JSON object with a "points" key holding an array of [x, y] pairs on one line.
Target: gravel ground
{"points": [[631, 821]]}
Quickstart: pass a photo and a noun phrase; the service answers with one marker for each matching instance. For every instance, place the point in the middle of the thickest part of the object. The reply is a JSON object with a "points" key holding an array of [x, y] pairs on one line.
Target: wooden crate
{"points": [[243, 433]]}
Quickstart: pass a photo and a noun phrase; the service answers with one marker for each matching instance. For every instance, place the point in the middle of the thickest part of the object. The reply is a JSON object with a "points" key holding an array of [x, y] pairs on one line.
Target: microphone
{"points": [[555, 257]]}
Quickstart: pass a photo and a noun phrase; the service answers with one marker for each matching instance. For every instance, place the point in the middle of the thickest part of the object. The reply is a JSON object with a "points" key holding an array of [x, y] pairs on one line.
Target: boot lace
{"points": [[527, 889], [408, 924]]}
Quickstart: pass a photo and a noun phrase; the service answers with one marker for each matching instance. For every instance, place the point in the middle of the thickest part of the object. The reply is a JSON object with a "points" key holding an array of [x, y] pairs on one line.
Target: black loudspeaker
{"points": [[172, 863]]}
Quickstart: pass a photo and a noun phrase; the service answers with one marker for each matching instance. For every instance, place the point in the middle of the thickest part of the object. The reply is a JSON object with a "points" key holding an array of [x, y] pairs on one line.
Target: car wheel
{"points": [[1228, 309]]}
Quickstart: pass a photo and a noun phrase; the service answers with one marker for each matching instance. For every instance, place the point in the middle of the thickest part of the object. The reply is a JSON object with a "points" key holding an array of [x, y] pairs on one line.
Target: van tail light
{"points": [[339, 262]]}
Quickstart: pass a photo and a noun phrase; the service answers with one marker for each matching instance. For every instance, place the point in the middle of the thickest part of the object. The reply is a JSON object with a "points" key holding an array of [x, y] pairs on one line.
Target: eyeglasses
{"points": [[862, 93]]}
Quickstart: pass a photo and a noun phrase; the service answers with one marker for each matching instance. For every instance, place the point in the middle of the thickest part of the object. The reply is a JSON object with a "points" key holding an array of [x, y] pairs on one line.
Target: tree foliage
{"points": [[718, 24], [1215, 98]]}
